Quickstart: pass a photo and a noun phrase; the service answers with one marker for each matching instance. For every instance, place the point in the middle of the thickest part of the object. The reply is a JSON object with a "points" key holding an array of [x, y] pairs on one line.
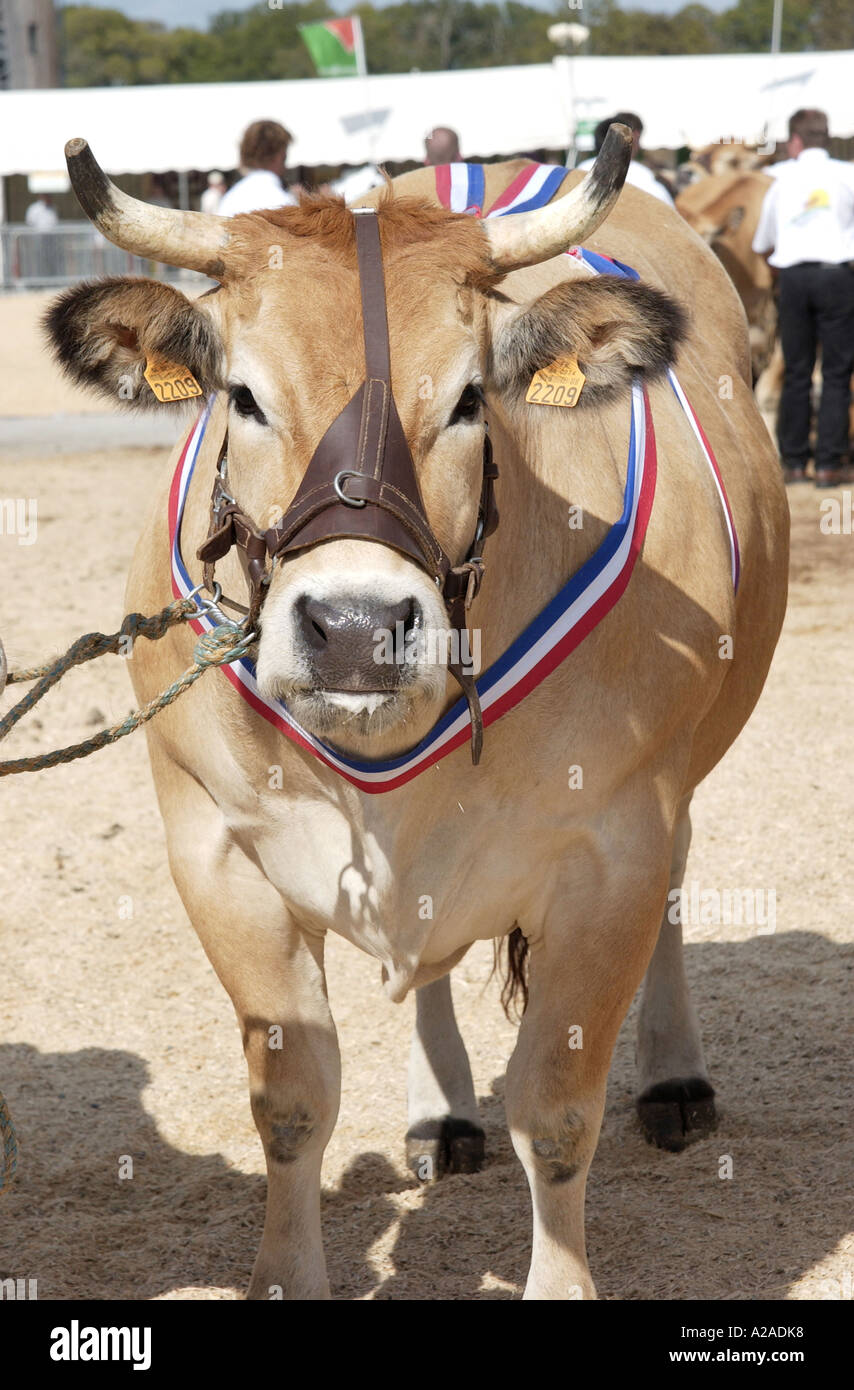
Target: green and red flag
{"points": [[336, 46]]}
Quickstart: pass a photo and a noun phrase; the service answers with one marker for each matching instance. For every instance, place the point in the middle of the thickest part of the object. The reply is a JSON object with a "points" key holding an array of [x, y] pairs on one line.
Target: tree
{"points": [[105, 48]]}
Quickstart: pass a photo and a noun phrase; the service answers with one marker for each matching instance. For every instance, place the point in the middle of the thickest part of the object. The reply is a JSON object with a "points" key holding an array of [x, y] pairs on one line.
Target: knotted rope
{"points": [[218, 647]]}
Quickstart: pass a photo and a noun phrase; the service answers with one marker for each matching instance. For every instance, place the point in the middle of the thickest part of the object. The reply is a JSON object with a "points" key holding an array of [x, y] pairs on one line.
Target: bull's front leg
{"points": [[275, 978], [294, 1082], [583, 975]]}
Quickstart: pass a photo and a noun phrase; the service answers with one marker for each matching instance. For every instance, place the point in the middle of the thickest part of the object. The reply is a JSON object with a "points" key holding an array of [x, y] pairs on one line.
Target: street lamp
{"points": [[568, 38]]}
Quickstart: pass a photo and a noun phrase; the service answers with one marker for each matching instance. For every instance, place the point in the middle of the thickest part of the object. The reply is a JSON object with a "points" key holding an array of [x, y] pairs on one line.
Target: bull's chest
{"points": [[410, 888]]}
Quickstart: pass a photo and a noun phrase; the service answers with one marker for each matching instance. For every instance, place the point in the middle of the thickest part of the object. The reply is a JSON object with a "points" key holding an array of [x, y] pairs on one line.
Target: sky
{"points": [[196, 13]]}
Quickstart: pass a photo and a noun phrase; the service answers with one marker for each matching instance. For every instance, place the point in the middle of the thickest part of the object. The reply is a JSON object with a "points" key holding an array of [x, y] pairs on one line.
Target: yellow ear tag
{"points": [[559, 383], [169, 380]]}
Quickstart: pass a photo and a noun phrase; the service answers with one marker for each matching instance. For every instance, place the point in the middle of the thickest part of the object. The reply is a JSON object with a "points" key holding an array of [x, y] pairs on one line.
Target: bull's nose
{"points": [[350, 641]]}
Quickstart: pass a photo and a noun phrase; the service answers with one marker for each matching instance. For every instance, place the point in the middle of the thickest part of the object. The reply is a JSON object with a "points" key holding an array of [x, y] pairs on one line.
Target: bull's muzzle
{"points": [[356, 645]]}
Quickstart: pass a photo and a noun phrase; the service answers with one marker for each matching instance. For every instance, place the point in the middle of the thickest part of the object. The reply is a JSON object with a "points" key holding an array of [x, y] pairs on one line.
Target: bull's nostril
{"points": [[406, 614], [354, 642], [316, 620]]}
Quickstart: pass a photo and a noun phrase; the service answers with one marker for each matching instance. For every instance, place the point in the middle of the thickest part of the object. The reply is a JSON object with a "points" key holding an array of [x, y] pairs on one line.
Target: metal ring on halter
{"points": [[208, 607], [221, 469], [339, 491]]}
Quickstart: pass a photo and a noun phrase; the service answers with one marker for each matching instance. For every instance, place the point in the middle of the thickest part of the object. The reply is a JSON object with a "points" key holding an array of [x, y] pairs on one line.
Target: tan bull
{"points": [[724, 210], [269, 847], [722, 157]]}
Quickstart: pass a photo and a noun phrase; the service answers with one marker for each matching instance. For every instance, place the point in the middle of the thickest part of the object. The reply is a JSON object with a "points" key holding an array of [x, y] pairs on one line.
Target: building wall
{"points": [[28, 47]]}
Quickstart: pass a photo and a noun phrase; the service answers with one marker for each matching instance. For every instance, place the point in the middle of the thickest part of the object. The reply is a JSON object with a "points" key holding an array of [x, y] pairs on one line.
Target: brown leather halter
{"points": [[360, 484]]}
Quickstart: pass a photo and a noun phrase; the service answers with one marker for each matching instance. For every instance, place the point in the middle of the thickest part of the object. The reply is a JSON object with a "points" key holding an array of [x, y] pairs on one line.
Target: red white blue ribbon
{"points": [[460, 187], [606, 265], [700, 435], [582, 603]]}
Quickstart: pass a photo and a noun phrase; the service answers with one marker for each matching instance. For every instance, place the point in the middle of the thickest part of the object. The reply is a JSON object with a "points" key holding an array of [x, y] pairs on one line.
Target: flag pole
{"points": [[776, 27], [362, 72], [359, 38]]}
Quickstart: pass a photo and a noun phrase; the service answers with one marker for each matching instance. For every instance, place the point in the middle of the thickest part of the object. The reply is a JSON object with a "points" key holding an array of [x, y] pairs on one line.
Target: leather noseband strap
{"points": [[361, 484]]}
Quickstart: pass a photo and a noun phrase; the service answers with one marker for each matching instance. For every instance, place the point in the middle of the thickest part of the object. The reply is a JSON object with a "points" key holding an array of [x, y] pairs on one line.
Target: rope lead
{"points": [[221, 645]]}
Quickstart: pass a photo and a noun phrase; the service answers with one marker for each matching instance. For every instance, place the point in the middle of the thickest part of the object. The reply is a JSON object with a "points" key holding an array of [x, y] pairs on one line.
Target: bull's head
{"points": [[283, 338]]}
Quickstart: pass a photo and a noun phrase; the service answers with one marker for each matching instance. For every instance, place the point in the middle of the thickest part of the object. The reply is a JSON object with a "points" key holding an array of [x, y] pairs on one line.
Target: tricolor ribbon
{"points": [[461, 187]]}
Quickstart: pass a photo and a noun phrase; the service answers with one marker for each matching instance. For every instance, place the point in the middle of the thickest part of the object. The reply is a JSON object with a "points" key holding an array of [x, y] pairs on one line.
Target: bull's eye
{"points": [[468, 406], [245, 404]]}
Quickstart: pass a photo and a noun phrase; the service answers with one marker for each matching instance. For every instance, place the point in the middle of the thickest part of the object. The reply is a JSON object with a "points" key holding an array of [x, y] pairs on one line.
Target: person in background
{"points": [[41, 214], [263, 153], [639, 175], [806, 230], [213, 194], [442, 146]]}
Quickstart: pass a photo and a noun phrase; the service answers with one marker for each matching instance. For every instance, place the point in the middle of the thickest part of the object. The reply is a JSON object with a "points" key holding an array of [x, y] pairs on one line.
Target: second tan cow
{"points": [[724, 210]]}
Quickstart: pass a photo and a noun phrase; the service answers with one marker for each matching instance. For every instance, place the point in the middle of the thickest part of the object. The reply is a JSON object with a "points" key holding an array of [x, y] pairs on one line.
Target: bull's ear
{"points": [[616, 328], [103, 332]]}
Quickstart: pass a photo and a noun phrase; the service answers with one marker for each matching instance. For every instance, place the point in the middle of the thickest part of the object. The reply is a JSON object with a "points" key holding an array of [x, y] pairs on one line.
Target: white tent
{"points": [[682, 100]]}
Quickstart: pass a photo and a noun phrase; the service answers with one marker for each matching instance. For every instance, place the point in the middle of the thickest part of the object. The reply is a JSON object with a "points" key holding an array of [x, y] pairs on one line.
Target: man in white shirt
{"points": [[639, 175], [214, 193], [263, 153], [41, 214], [807, 226]]}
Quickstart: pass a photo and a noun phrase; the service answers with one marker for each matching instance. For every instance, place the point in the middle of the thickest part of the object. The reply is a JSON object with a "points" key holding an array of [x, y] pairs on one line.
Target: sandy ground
{"points": [[116, 1038]]}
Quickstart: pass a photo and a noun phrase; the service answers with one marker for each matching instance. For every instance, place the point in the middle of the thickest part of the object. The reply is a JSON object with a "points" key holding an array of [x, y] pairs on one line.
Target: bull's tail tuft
{"points": [[511, 961]]}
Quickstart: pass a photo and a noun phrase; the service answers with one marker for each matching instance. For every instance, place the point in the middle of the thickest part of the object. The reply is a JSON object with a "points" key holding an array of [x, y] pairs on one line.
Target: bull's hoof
{"points": [[675, 1113], [436, 1147]]}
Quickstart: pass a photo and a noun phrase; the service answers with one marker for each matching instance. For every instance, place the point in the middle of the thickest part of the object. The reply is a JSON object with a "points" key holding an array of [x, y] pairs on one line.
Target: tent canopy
{"points": [[682, 101]]}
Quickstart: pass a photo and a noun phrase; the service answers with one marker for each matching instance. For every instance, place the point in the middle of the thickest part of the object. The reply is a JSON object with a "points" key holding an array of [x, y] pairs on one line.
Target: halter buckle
{"points": [[339, 490]]}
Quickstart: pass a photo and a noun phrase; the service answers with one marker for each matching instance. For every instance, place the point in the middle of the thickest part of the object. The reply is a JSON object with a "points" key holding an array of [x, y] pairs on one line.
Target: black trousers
{"points": [[816, 307]]}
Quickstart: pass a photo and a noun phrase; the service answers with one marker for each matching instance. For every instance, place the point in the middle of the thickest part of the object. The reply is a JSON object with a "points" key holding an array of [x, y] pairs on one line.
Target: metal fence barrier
{"points": [[31, 258]]}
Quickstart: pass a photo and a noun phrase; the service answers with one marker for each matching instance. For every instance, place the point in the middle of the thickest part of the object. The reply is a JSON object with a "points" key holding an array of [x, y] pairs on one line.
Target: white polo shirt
{"points": [[41, 216], [808, 213], [640, 176], [259, 189]]}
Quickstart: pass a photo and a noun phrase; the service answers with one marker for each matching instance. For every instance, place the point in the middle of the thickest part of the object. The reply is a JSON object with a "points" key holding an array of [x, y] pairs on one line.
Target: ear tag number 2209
{"points": [[559, 383], [169, 380]]}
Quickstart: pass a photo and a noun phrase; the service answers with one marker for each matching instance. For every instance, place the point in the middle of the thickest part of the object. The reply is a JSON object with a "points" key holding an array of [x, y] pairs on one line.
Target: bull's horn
{"points": [[192, 240], [527, 238]]}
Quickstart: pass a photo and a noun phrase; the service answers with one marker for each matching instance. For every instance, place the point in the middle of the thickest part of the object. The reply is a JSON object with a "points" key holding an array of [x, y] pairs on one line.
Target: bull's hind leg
{"points": [[444, 1135], [274, 976], [675, 1097]]}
